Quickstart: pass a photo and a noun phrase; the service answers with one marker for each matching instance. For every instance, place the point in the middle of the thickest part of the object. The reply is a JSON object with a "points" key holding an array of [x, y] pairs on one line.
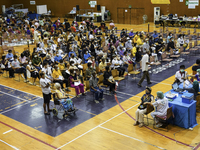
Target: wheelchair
{"points": [[59, 108]]}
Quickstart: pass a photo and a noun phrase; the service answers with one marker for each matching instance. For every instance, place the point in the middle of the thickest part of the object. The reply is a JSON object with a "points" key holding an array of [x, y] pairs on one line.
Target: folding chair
{"points": [[183, 53], [192, 49], [130, 70], [165, 59], [150, 108], [115, 75], [164, 119]]}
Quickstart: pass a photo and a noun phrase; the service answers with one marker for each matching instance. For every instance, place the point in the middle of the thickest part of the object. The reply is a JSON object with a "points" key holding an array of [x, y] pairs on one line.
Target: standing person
{"points": [[145, 63], [45, 85]]}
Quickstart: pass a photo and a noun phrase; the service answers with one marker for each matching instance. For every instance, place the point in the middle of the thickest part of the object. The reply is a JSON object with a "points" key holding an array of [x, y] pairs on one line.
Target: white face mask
{"points": [[30, 63], [74, 71], [86, 52], [57, 54], [72, 64], [35, 56]]}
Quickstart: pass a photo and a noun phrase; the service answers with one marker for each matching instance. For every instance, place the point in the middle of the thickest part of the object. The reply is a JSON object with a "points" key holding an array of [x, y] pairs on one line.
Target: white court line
{"points": [[128, 94], [131, 137], [20, 90], [9, 145], [14, 96], [8, 131], [96, 127], [20, 105]]}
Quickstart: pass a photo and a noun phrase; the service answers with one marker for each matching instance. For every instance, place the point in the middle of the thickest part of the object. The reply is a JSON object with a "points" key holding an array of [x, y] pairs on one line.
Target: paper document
{"points": [[77, 83], [60, 77]]}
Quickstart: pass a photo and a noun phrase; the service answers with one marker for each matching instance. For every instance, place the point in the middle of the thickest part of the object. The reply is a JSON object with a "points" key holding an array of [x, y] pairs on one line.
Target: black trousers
{"points": [[111, 85], [10, 70], [121, 71], [61, 82]]}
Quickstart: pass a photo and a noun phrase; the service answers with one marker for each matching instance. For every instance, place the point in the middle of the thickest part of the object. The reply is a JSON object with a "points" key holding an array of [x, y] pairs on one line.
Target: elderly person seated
{"points": [[95, 88], [58, 78], [142, 109], [63, 98], [76, 83], [161, 105], [32, 72], [181, 75]]}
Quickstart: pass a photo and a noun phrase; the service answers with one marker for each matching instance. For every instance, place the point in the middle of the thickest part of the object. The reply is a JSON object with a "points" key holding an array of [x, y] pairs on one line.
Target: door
{"points": [[127, 16], [120, 15]]}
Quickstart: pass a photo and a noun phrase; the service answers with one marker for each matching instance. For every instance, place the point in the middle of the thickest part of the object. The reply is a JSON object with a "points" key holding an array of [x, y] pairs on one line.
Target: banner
{"points": [[160, 1]]}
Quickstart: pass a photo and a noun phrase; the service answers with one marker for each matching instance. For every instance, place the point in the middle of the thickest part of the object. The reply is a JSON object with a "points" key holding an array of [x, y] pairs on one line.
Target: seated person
{"points": [[58, 78], [32, 72], [161, 107], [23, 60], [17, 68], [36, 61], [86, 56], [108, 80], [95, 88], [116, 64], [181, 75], [75, 83], [57, 58], [194, 89], [171, 45], [142, 109], [89, 71], [63, 98], [61, 66], [196, 66], [6, 65], [102, 65], [9, 56]]}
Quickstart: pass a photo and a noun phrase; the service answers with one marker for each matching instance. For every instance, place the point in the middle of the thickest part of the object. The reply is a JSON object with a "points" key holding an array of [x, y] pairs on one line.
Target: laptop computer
{"points": [[176, 88]]}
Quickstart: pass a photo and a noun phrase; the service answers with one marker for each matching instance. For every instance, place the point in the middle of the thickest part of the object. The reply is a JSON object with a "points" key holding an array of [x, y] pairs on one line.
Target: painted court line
{"points": [[29, 135], [9, 145], [8, 131], [152, 129], [96, 127], [19, 106], [14, 96], [131, 137], [20, 91]]}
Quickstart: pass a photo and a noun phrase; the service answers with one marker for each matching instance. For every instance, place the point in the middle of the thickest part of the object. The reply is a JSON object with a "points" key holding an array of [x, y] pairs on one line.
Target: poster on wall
{"points": [[192, 3], [160, 1], [32, 2]]}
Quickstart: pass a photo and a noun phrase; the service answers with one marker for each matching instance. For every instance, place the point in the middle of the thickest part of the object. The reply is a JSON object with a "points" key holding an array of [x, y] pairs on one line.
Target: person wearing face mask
{"points": [[36, 61], [169, 37], [116, 64], [32, 72], [89, 71], [9, 56], [57, 58], [48, 60], [76, 83], [17, 68], [128, 44], [131, 34], [61, 66], [161, 106], [142, 108], [71, 52], [86, 56], [95, 88], [181, 75], [155, 36], [57, 77]]}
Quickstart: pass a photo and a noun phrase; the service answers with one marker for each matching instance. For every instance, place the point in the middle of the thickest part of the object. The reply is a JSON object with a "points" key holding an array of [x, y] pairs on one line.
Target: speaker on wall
{"points": [[77, 7], [98, 7], [99, 19]]}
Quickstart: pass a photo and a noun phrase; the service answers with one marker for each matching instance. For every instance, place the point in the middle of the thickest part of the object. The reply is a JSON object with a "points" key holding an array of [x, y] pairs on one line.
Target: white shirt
{"points": [[162, 106], [180, 40], [91, 37], [179, 76], [43, 83], [144, 60], [115, 61]]}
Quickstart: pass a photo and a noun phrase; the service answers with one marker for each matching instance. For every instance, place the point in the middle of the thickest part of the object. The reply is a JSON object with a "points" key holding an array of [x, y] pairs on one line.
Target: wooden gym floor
{"points": [[107, 125]]}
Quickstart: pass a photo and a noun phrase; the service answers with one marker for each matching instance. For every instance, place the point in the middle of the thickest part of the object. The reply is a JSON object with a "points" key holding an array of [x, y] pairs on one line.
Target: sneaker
{"points": [[150, 83], [139, 85], [96, 101], [136, 123], [102, 99], [158, 125], [22, 76], [141, 125]]}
